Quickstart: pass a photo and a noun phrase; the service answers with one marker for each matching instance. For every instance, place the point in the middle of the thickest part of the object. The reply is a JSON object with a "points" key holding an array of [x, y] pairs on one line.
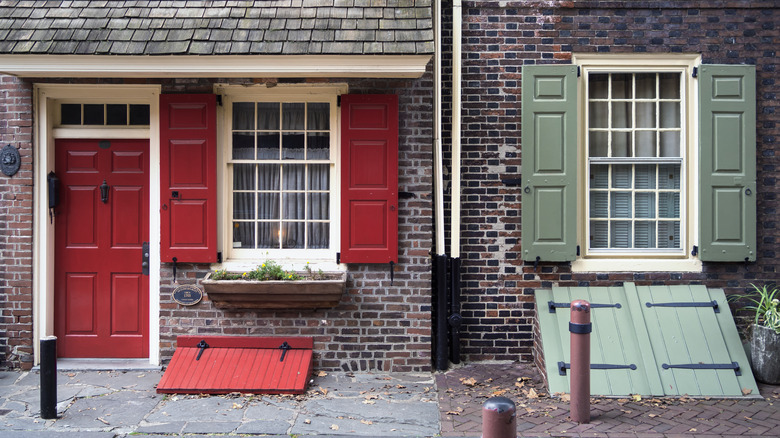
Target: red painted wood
{"points": [[101, 297], [188, 166], [238, 364], [369, 179]]}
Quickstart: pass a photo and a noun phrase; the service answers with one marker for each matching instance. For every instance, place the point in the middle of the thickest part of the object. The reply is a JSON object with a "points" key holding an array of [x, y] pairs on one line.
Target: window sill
{"points": [[636, 265]]}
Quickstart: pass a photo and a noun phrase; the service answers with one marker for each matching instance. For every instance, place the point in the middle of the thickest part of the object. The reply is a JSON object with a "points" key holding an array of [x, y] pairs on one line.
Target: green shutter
{"points": [[549, 166], [727, 162]]}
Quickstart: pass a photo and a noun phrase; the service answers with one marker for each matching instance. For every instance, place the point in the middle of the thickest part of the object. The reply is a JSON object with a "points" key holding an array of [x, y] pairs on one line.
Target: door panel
{"points": [[101, 297]]}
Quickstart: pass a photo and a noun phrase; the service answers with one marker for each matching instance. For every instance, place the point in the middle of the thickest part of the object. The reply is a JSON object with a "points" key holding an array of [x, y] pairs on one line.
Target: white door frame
{"points": [[45, 99]]}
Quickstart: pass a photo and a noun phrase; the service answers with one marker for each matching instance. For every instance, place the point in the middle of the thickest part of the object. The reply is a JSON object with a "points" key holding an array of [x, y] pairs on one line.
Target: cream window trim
{"points": [[188, 66], [242, 259], [616, 261]]}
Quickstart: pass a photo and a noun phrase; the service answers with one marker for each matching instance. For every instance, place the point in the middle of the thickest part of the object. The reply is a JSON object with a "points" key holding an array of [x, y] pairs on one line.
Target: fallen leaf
{"points": [[652, 415], [368, 402], [746, 391], [748, 418], [400, 386], [636, 397], [321, 374], [334, 427], [307, 421], [371, 397], [693, 429], [565, 398], [369, 422], [519, 384], [532, 393], [453, 413], [323, 391], [237, 406], [468, 382]]}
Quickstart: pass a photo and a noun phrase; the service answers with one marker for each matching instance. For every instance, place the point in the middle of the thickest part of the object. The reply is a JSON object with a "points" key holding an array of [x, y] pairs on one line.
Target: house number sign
{"points": [[187, 295]]}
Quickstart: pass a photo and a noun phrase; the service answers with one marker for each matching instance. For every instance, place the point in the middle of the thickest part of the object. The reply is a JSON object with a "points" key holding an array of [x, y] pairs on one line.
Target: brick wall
{"points": [[16, 206], [500, 37]]}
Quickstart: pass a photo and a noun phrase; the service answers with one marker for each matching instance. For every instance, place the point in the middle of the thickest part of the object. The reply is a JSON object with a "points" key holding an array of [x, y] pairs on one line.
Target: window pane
{"points": [[599, 176], [621, 86], [319, 235], [599, 145], [293, 234], [243, 116], [243, 146], [598, 86], [599, 234], [318, 147], [669, 176], [645, 144], [645, 114], [644, 234], [621, 144], [293, 116], [620, 234], [599, 205], [268, 116], [268, 146], [268, 206], [620, 204], [294, 177], [243, 234], [621, 114], [268, 176], [318, 206], [268, 235], [599, 114], [139, 115], [292, 146], [645, 86], [116, 114], [644, 176], [93, 114], [319, 176], [621, 176], [669, 234], [70, 114], [670, 144], [670, 114], [645, 205], [243, 206], [294, 206], [669, 84], [318, 117], [244, 177], [669, 205]]}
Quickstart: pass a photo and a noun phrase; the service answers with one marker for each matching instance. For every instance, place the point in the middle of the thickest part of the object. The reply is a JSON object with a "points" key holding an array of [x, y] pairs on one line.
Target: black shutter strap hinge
{"points": [[713, 304], [579, 71], [219, 99], [202, 345], [695, 251], [695, 72], [706, 366], [552, 306], [392, 271], [578, 250], [284, 347], [174, 269], [536, 262], [338, 100], [563, 366], [338, 258]]}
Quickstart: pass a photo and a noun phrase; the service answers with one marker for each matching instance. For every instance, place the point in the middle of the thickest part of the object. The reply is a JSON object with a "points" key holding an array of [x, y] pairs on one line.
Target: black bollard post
{"points": [[49, 377]]}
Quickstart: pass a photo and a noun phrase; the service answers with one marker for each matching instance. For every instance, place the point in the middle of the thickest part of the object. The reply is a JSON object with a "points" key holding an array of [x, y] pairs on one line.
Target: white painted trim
{"points": [[46, 97], [636, 265], [188, 66]]}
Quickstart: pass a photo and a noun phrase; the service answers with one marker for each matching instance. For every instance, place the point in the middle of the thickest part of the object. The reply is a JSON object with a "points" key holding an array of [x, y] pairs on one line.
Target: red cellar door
{"points": [[101, 295]]}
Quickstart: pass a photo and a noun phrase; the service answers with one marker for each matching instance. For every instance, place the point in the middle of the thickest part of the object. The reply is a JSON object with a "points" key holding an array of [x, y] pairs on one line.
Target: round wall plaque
{"points": [[10, 160], [187, 295]]}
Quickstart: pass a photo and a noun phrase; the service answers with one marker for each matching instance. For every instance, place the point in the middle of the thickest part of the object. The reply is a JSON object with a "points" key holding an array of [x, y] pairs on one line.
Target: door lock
{"points": [[145, 258]]}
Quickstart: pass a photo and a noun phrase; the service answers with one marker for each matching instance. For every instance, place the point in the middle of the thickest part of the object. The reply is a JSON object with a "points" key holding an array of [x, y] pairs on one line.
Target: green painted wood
{"points": [[727, 162], [649, 337], [549, 166]]}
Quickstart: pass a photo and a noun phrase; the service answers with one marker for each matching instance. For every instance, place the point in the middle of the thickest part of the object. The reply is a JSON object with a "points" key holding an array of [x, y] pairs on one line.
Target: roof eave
{"points": [[190, 66]]}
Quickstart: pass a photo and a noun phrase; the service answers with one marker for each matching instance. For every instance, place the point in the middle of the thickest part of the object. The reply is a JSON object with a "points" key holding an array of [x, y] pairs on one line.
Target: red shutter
{"points": [[369, 178], [188, 177]]}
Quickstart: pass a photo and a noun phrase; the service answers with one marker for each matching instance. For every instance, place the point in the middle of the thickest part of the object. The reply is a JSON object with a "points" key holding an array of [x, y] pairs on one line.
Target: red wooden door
{"points": [[101, 295]]}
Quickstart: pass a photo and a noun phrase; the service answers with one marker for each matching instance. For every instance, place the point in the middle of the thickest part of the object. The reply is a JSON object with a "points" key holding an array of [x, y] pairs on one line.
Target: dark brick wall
{"points": [[16, 208], [500, 37]]}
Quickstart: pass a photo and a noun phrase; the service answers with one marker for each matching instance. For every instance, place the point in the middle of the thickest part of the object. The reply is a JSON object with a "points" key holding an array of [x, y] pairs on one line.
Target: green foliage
{"points": [[270, 270], [764, 303]]}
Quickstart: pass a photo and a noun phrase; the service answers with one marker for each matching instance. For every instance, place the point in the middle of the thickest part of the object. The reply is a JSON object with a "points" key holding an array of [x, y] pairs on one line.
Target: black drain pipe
{"points": [[440, 262], [455, 319]]}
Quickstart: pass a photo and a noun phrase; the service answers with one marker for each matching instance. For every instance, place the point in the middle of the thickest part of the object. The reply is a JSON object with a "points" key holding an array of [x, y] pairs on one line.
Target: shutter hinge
{"points": [[695, 251], [695, 72], [338, 258], [578, 250], [219, 99], [219, 256], [338, 100], [579, 71]]}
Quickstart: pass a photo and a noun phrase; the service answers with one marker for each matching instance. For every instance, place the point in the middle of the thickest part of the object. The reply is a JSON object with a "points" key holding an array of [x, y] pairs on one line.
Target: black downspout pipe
{"points": [[455, 319], [441, 312]]}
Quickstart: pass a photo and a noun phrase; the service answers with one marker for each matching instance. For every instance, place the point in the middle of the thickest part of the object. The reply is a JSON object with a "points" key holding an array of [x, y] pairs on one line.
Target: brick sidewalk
{"points": [[463, 391]]}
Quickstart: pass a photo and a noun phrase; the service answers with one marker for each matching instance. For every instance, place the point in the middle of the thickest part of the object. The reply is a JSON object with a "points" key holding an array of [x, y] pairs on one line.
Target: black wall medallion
{"points": [[187, 295], [10, 160]]}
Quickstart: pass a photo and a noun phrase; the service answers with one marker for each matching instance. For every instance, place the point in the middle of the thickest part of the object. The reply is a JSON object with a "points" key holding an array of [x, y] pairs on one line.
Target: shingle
{"points": [[121, 35], [190, 12], [202, 48], [118, 23], [41, 46], [323, 35], [222, 48], [354, 35], [201, 34], [267, 47], [59, 35], [62, 47], [295, 47], [167, 48], [180, 35], [162, 13], [240, 47], [221, 35], [93, 13], [276, 35], [160, 35], [142, 35], [86, 48], [7, 46], [398, 48]]}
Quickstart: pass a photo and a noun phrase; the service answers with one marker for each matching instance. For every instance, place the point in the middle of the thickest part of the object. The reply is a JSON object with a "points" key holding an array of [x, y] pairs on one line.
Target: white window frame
{"points": [[642, 260], [236, 259]]}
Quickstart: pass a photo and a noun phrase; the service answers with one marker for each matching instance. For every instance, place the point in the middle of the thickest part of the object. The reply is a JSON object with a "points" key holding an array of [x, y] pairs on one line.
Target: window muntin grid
{"points": [[104, 114], [281, 163], [635, 162]]}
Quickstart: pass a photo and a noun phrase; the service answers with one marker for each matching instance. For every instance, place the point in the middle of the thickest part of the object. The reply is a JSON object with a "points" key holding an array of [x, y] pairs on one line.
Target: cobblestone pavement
{"points": [[462, 392]]}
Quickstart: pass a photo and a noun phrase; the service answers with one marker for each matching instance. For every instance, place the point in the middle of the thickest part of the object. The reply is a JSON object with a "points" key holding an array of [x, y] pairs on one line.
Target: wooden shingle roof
{"points": [[269, 27]]}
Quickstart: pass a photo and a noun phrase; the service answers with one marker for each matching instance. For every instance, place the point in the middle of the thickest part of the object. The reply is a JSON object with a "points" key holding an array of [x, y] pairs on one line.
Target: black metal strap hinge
{"points": [[706, 366], [338, 258], [392, 271], [563, 366], [579, 71], [552, 306], [536, 262], [219, 99], [695, 72], [284, 347], [338, 100], [713, 304], [202, 345], [695, 251], [174, 268]]}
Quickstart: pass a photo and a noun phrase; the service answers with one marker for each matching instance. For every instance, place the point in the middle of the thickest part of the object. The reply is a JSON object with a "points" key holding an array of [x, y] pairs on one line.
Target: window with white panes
{"points": [[635, 162]]}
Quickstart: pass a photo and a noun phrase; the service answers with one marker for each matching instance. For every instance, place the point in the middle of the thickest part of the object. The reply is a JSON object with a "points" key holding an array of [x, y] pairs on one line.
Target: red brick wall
{"points": [[16, 207], [500, 37]]}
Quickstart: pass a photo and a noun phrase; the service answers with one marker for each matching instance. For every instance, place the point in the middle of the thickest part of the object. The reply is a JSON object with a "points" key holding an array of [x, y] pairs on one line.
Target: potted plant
{"points": [[765, 332], [269, 286]]}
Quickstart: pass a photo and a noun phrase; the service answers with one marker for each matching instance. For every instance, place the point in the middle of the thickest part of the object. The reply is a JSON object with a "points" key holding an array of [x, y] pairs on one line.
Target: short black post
{"points": [[49, 377]]}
